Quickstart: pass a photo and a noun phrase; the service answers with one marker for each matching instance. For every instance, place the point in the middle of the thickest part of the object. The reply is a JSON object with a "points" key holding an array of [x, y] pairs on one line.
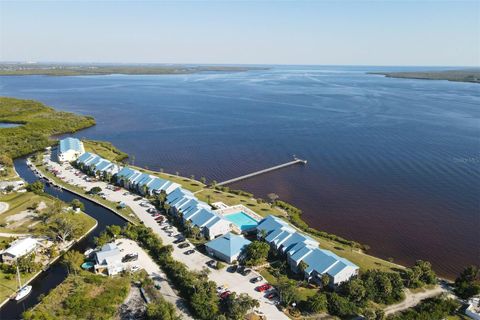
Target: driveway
{"points": [[235, 282]]}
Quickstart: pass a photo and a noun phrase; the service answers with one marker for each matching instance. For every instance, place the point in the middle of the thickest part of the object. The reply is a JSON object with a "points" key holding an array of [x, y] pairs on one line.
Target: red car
{"points": [[117, 189], [225, 294], [263, 287]]}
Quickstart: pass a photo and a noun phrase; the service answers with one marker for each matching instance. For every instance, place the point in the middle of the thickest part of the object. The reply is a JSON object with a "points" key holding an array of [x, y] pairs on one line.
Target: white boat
{"points": [[88, 252], [23, 292]]}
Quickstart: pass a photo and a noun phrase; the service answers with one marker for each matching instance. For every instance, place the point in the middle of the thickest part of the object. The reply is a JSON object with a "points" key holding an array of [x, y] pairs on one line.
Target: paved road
{"points": [[234, 281]]}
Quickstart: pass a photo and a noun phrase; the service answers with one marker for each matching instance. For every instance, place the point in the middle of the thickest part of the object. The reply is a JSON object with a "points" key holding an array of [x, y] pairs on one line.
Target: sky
{"points": [[414, 33]]}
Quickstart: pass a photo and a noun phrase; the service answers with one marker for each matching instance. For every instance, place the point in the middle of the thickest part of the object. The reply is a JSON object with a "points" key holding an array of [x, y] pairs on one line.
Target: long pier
{"points": [[256, 173]]}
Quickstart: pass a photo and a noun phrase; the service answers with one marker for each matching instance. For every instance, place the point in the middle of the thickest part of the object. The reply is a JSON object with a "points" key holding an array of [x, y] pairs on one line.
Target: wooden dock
{"points": [[256, 173]]}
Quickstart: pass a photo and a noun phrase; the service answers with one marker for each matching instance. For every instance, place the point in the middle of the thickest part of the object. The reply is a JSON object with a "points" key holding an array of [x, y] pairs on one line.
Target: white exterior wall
{"points": [[218, 229], [344, 275], [70, 155], [221, 256]]}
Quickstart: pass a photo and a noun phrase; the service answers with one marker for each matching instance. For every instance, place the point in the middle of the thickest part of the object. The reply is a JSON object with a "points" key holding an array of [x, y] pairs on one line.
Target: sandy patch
{"points": [[41, 206], [3, 207], [21, 216]]}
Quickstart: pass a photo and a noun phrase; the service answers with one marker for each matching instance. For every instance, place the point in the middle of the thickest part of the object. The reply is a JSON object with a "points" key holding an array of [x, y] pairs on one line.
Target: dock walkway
{"points": [[256, 173]]}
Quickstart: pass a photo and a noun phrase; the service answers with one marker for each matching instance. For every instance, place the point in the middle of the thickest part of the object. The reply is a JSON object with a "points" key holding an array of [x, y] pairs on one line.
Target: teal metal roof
{"points": [[229, 245], [84, 157], [70, 144]]}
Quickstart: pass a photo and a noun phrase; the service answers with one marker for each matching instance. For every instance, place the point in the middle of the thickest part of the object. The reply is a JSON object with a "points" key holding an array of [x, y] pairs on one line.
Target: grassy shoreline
{"points": [[231, 197]]}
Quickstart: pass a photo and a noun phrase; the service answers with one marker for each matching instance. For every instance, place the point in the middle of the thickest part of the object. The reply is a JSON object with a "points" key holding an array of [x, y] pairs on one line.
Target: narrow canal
{"points": [[57, 272]]}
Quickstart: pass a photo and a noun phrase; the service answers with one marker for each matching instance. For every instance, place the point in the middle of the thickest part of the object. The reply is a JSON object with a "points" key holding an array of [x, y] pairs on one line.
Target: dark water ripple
{"points": [[393, 163]]}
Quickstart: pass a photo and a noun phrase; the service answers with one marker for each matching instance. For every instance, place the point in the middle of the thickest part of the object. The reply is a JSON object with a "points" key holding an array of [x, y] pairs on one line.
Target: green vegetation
{"points": [[161, 310], [429, 309], [256, 253], [420, 275], [36, 214], [39, 123], [31, 213], [467, 284], [467, 75], [7, 172], [105, 150], [105, 69], [82, 296], [35, 187]]}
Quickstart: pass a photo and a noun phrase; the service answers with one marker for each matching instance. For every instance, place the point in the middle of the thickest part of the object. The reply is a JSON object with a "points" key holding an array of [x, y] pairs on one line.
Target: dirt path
{"points": [[412, 299]]}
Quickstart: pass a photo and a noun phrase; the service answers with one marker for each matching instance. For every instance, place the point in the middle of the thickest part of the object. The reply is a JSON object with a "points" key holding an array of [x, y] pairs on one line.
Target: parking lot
{"points": [[234, 282]]}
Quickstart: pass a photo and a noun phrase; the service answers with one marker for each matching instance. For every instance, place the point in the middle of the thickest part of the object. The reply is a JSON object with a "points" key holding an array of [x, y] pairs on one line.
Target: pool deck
{"points": [[225, 211]]}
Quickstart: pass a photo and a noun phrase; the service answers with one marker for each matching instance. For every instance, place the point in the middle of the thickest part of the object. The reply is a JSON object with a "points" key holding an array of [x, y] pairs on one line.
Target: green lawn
{"points": [[83, 296], [303, 292], [186, 183], [19, 202], [104, 149]]}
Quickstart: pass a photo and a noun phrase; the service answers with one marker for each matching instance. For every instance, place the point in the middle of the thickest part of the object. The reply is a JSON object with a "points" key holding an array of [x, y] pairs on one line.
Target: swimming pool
{"points": [[242, 220]]}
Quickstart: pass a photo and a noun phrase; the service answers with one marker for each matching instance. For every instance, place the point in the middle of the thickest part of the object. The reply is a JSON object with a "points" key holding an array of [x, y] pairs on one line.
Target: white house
{"points": [[70, 149], [109, 260], [18, 249]]}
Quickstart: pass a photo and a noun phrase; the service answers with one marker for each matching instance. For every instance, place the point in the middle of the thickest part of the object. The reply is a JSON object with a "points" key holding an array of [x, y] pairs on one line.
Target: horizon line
{"points": [[231, 64]]}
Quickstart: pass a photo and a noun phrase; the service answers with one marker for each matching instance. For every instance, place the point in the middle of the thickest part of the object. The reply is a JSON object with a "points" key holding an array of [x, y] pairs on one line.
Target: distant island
{"points": [[26, 69], [470, 75]]}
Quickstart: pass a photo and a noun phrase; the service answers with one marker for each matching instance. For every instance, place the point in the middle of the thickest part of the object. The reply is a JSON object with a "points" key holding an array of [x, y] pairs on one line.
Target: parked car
{"points": [[263, 287], [126, 193], [256, 279], [212, 263], [246, 272], [189, 252], [240, 269], [179, 240], [225, 294], [137, 198], [130, 257], [183, 245], [233, 268], [221, 289], [272, 295]]}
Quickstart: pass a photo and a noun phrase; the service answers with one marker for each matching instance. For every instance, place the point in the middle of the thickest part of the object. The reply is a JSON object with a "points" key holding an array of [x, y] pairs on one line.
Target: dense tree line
{"points": [[468, 282], [39, 122]]}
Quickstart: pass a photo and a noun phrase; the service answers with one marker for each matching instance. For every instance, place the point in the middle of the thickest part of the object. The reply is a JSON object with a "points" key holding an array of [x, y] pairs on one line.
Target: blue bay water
{"points": [[392, 163]]}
